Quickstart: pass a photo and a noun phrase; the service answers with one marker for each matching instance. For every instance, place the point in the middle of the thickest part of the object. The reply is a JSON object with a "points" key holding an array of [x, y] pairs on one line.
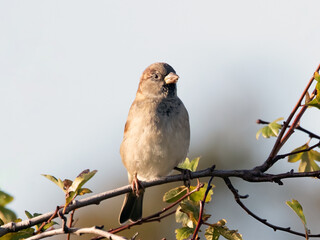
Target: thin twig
{"points": [[264, 221], [70, 223], [49, 220], [311, 134], [156, 219], [296, 152], [202, 203]]}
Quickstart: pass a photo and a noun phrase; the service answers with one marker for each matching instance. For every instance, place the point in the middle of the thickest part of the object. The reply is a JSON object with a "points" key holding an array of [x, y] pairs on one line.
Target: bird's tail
{"points": [[132, 207]]}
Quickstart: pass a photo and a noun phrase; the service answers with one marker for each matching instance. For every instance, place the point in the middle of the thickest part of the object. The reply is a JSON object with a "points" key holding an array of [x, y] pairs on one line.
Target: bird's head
{"points": [[158, 81]]}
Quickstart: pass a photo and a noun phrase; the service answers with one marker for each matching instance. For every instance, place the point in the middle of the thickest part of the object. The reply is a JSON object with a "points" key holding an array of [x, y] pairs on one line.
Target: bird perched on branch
{"points": [[156, 135]]}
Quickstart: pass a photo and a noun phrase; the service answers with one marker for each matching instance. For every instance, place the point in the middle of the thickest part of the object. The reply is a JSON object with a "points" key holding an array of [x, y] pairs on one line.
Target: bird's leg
{"points": [[186, 176], [137, 188]]}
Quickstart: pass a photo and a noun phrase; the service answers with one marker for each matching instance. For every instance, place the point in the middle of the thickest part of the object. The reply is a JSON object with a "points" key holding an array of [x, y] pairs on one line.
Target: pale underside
{"points": [[156, 139]]}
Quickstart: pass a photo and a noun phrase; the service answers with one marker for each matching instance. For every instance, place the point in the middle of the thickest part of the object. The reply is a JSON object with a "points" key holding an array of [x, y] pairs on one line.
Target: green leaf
{"points": [[271, 130], [22, 234], [183, 218], [199, 195], [58, 181], [316, 101], [297, 208], [211, 234], [7, 215], [191, 209], [219, 228], [48, 225], [229, 234], [308, 159], [183, 233], [45, 227], [83, 191], [81, 180], [190, 165], [5, 198], [29, 215], [174, 194]]}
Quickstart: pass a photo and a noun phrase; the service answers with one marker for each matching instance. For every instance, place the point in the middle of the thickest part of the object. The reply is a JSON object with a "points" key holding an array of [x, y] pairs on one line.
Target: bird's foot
{"points": [[137, 188], [186, 176]]}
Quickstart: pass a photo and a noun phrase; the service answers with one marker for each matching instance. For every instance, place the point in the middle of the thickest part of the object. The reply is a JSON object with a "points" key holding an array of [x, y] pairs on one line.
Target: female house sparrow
{"points": [[156, 135]]}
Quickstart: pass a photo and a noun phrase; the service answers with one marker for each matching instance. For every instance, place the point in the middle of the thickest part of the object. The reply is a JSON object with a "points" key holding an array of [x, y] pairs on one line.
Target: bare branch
{"points": [[77, 231], [264, 221]]}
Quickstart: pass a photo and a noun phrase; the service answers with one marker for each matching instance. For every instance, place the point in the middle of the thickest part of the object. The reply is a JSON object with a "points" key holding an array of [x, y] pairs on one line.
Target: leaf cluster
{"points": [[73, 188], [189, 213], [307, 158], [271, 130]]}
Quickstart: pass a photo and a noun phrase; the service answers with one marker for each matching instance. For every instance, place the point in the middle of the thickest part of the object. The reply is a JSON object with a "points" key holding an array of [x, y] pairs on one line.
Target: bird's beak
{"points": [[171, 78]]}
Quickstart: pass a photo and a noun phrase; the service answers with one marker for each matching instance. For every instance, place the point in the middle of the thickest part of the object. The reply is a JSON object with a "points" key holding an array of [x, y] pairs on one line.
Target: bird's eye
{"points": [[155, 76]]}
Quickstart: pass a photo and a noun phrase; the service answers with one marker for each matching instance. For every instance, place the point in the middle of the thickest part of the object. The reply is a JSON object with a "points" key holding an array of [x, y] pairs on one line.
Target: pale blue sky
{"points": [[69, 71]]}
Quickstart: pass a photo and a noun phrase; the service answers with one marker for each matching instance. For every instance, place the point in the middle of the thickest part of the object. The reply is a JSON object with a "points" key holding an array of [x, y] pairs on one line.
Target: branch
{"points": [[202, 203], [264, 221], [247, 175], [77, 231], [296, 152]]}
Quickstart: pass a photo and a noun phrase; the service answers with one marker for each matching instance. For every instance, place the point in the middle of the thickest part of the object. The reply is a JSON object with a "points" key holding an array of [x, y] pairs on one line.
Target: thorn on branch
{"points": [[99, 227], [212, 168], [278, 181], [244, 196]]}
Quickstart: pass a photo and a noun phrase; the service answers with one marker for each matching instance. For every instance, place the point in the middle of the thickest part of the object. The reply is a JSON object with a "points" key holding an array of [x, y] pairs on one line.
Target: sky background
{"points": [[69, 71]]}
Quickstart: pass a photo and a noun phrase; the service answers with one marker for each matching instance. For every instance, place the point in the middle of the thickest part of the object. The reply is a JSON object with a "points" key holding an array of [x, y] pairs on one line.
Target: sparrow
{"points": [[156, 135]]}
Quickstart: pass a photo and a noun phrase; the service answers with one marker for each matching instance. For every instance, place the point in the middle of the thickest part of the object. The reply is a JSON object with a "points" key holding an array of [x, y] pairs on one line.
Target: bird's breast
{"points": [[157, 138]]}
